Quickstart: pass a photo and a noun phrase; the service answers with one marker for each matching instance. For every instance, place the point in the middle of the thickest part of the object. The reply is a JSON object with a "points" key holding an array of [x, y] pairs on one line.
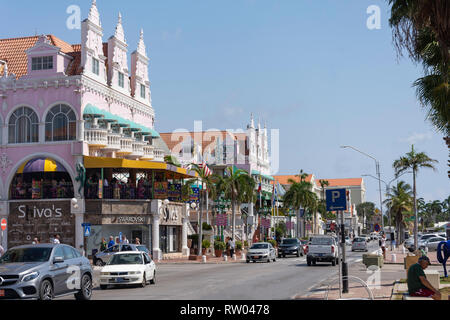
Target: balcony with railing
{"points": [[113, 142], [159, 155], [96, 137], [148, 153], [126, 146], [137, 148]]}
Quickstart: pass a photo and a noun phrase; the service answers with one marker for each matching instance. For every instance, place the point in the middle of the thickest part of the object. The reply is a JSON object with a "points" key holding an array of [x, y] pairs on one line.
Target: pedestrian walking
{"points": [[137, 241], [383, 245], [111, 242], [56, 239], [418, 285], [103, 245], [35, 241], [125, 240], [232, 246]]}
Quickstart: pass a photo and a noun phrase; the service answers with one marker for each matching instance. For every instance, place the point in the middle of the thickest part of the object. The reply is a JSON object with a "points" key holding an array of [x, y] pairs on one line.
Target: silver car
{"points": [[102, 258], [431, 243], [359, 243], [262, 251], [44, 272]]}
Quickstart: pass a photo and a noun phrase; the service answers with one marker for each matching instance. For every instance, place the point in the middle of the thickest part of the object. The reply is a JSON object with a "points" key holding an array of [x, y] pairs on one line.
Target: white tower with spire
{"points": [[251, 135], [118, 73], [92, 55], [140, 83]]}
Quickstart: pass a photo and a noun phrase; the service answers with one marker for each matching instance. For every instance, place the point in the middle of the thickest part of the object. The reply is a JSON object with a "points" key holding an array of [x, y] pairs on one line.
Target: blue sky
{"points": [[310, 68]]}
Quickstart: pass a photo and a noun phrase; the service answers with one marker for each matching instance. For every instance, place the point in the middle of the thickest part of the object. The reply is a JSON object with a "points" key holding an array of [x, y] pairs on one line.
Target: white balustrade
{"points": [[96, 137]]}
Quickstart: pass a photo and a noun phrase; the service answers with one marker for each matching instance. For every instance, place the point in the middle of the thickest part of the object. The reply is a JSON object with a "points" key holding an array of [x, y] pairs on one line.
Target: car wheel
{"points": [[46, 290], [153, 281], [268, 260], [99, 263], [308, 261], [314, 262], [274, 260], [279, 256], [248, 261], [144, 281], [254, 261], [337, 260], [103, 287], [298, 254], [85, 292], [333, 262]]}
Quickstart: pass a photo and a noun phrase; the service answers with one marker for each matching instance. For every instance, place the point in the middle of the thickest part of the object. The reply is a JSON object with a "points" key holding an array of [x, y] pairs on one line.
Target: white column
{"points": [[184, 234], [80, 125], [4, 134], [78, 211], [155, 238]]}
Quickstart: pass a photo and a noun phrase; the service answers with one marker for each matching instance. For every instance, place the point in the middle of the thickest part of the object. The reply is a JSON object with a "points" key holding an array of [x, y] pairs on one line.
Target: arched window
{"points": [[23, 126], [60, 124]]}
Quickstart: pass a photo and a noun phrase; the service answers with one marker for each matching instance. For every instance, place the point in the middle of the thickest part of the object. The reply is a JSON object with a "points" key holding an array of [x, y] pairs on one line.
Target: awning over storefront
{"points": [[257, 173], [100, 162], [100, 113], [41, 165]]}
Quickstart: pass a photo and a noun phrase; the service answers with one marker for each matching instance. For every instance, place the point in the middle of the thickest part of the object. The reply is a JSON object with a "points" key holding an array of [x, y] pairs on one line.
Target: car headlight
{"points": [[30, 276], [134, 272]]}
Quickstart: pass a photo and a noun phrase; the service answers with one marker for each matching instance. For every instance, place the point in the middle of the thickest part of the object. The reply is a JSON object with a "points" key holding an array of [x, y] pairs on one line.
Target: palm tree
{"points": [[422, 27], [299, 196], [208, 183], [234, 182], [399, 201], [414, 161]]}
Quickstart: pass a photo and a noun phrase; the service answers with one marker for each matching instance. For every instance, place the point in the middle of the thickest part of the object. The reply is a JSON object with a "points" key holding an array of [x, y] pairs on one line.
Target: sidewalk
{"points": [[382, 283], [209, 260]]}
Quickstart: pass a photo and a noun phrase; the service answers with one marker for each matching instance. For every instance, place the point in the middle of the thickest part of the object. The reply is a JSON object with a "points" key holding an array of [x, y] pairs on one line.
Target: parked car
{"points": [[45, 272], [290, 247], [322, 248], [409, 244], [102, 258], [348, 241], [261, 251], [431, 243], [128, 268], [359, 243]]}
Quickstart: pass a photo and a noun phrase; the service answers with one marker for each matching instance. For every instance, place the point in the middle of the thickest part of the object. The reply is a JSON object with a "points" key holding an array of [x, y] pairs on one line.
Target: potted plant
{"points": [[219, 246], [205, 245], [238, 247], [245, 244]]}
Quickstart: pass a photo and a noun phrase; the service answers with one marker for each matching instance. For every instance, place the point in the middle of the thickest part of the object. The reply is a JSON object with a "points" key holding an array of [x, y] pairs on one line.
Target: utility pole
{"points": [[344, 263]]}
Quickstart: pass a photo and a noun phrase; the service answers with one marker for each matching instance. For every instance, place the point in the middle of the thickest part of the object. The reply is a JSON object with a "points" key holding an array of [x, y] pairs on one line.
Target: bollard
{"points": [[204, 259], [243, 257], [393, 258], [225, 258], [426, 249], [403, 250], [234, 257]]}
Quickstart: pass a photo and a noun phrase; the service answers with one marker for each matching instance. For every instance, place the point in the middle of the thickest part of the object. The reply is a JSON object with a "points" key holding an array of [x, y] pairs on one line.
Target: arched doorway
{"points": [[41, 178]]}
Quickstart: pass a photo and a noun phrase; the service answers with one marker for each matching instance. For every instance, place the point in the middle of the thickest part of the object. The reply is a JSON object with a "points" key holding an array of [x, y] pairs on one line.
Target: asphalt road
{"points": [[280, 280]]}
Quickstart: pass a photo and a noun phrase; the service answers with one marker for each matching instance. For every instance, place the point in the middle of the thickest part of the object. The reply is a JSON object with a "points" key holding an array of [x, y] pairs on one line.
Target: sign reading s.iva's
{"points": [[46, 212]]}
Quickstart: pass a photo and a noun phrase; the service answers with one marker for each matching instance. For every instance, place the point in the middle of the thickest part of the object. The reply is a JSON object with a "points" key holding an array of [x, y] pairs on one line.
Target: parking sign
{"points": [[336, 200]]}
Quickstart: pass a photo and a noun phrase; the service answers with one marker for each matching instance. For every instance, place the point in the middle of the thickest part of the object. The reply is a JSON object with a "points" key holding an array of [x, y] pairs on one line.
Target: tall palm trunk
{"points": [[233, 208], [416, 225], [200, 226]]}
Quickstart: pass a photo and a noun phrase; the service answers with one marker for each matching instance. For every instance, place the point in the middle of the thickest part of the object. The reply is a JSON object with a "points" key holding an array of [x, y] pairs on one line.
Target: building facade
{"points": [[77, 126]]}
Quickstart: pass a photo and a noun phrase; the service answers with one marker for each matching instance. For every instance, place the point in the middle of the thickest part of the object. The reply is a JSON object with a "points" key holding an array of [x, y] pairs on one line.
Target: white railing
{"points": [[113, 142], [148, 152], [126, 145], [97, 137], [159, 155], [137, 149]]}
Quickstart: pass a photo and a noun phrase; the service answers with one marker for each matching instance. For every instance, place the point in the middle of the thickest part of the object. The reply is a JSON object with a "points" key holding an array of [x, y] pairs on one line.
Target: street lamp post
{"points": [[377, 165]]}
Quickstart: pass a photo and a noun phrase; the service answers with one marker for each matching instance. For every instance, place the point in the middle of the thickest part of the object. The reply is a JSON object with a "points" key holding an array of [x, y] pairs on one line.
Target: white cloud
{"points": [[417, 137]]}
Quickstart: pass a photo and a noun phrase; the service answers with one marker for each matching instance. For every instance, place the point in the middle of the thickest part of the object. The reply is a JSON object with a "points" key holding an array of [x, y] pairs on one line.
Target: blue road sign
{"points": [[377, 228], [87, 230], [336, 199]]}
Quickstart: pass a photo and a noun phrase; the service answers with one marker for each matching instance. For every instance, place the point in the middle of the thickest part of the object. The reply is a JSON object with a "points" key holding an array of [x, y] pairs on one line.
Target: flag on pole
{"points": [[206, 169]]}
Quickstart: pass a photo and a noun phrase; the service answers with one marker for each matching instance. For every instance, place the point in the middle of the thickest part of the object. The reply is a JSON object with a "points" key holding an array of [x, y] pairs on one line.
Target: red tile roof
{"points": [[285, 179], [174, 140], [14, 52], [342, 182]]}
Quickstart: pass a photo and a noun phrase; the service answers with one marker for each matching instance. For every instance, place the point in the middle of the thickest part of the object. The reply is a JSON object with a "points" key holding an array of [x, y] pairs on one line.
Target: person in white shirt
{"points": [[383, 245], [125, 240], [56, 239]]}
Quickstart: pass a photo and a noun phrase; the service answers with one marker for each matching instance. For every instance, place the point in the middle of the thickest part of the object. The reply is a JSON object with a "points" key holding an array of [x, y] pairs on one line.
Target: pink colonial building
{"points": [[78, 144]]}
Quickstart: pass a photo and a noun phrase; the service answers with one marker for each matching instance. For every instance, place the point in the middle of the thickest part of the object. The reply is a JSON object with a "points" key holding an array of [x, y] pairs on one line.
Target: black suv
{"points": [[290, 247], [44, 272]]}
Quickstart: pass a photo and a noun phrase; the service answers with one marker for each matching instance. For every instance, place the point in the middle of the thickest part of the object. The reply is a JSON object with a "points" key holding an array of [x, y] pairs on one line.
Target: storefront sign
{"points": [[131, 220], [174, 193], [161, 190], [195, 195], [221, 220], [41, 219]]}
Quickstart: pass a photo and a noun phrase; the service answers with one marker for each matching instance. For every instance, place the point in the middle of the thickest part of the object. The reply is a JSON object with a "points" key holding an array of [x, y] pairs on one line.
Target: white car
{"points": [[431, 243], [128, 268], [261, 251]]}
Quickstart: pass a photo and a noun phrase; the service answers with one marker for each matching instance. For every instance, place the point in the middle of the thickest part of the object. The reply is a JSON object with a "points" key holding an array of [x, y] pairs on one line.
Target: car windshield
{"points": [[260, 246], [289, 241], [322, 241], [26, 255], [360, 240], [142, 248], [125, 259]]}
